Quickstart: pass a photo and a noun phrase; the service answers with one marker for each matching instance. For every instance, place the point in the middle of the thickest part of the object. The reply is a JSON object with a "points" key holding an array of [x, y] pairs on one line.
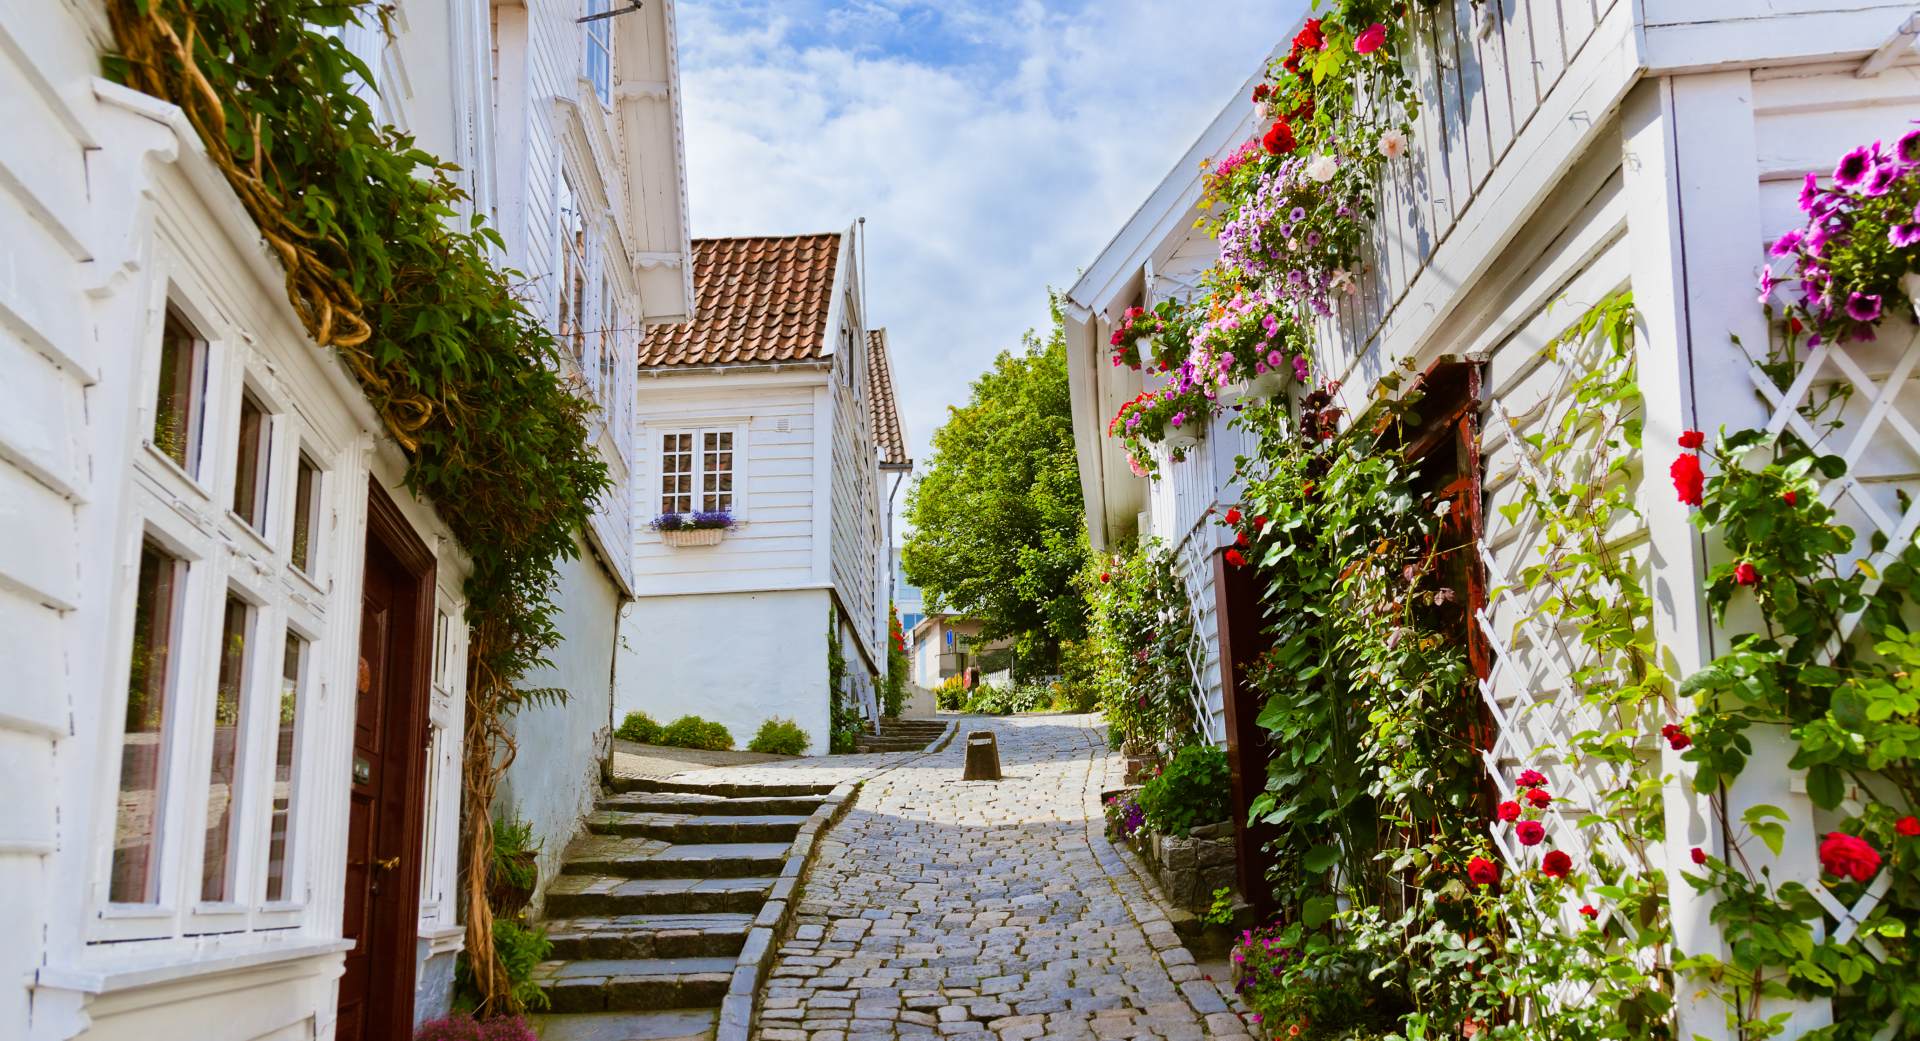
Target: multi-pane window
{"points": [[306, 512], [223, 780], [676, 473], [293, 665], [600, 51], [696, 471], [180, 403], [572, 313], [252, 462], [158, 592]]}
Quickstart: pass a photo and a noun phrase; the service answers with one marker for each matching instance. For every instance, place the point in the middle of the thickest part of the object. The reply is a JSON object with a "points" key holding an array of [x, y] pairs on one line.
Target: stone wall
{"points": [[1190, 869]]}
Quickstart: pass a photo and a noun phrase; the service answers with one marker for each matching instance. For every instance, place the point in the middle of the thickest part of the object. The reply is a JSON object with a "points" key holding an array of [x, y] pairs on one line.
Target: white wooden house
{"points": [[768, 407], [228, 815], [1565, 151]]}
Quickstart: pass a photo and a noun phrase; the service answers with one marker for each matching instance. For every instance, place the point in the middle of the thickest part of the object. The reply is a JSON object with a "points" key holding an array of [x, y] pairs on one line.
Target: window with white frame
{"points": [[222, 612], [571, 315], [697, 471], [599, 57]]}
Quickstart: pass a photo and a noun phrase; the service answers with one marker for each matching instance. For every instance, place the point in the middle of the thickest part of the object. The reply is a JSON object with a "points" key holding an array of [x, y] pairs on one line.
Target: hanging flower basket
{"points": [[1269, 384], [1181, 440]]}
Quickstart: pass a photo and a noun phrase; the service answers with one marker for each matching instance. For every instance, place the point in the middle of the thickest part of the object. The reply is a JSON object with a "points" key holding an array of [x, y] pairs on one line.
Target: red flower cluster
{"points": [[1676, 737], [1689, 481], [1530, 833], [1848, 856], [1746, 574], [1908, 826], [1556, 864], [1531, 779], [1508, 812], [1310, 37], [1105, 577], [1483, 872], [1236, 558], [1279, 139], [1589, 910], [1233, 517], [1262, 92], [1539, 798]]}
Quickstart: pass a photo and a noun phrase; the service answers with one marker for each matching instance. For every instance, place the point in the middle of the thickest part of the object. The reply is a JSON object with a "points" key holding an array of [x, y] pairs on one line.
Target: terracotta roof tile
{"points": [[756, 300], [887, 432]]}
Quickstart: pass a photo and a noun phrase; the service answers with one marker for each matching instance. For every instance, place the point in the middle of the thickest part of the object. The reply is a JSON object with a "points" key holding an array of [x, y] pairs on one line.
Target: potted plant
{"points": [[1155, 339], [704, 528], [1175, 416], [1251, 340]]}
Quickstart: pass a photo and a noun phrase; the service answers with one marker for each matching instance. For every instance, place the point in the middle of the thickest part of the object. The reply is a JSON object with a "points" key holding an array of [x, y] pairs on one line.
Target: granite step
{"points": [[649, 936], [629, 857], [677, 1025], [701, 804], [574, 896], [652, 784], [688, 829], [633, 984]]}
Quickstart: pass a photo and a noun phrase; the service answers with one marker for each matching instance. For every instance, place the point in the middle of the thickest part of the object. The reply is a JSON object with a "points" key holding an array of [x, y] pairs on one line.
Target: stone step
{"points": [[652, 858], [687, 829], [649, 936], [677, 1025], [701, 804], [730, 791], [634, 984], [574, 896]]}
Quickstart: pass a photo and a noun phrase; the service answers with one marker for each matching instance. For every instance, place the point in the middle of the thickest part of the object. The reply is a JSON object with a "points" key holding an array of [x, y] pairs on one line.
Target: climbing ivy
{"points": [[382, 268]]}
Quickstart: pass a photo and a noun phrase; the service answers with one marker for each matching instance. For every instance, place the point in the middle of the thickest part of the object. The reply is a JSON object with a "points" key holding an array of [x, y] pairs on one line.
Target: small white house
{"points": [[235, 643], [772, 408], [1563, 153]]}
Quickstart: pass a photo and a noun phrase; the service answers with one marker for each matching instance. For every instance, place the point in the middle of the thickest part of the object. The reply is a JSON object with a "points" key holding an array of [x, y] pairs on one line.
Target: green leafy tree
{"points": [[998, 527]]}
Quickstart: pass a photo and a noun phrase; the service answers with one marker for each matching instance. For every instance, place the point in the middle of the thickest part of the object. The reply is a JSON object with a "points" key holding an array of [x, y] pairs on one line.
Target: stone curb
{"points": [[740, 1009]]}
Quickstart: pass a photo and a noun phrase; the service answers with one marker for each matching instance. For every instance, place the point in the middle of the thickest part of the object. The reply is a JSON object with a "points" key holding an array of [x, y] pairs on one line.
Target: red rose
{"points": [[1310, 37], [1699, 855], [1848, 856], [1105, 578], [1241, 540], [1483, 872], [1259, 522], [1746, 574], [1908, 826], [1531, 779], [1539, 798], [1676, 737], [1279, 139], [1692, 439], [1530, 833], [1235, 558], [1292, 64], [1233, 517], [1370, 40], [1508, 812], [1556, 864], [1589, 910], [1790, 498], [1262, 92], [1688, 479]]}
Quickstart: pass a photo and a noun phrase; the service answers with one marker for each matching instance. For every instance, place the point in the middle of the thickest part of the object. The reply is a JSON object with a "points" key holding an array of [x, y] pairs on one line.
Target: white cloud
{"points": [[994, 146]]}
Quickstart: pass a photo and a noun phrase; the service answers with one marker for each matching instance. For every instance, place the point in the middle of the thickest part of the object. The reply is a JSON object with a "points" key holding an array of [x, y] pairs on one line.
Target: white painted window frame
{"points": [[193, 519], [656, 451], [598, 36]]}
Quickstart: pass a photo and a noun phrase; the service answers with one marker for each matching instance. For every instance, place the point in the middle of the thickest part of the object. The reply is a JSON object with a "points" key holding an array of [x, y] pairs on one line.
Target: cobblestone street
{"points": [[943, 908]]}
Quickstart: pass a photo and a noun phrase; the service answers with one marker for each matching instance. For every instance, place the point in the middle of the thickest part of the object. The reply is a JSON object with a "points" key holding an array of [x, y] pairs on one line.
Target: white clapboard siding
{"points": [[774, 484], [857, 551]]}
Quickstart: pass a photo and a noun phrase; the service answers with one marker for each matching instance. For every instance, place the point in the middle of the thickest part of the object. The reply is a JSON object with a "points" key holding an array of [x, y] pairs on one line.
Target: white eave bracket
{"points": [[1891, 51]]}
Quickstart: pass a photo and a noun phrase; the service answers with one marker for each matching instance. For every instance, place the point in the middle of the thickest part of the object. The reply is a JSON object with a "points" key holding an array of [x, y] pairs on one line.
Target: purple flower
{"points": [[1882, 180], [1274, 359], [1854, 167], [1907, 150], [1259, 368], [1817, 241], [1766, 283], [1904, 235], [1179, 418], [1296, 276], [1864, 307], [1809, 193], [1300, 367], [1299, 214], [1789, 242], [1313, 238]]}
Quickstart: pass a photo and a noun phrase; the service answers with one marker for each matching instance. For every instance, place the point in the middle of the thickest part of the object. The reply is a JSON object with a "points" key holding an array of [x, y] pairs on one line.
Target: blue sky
{"points": [[994, 146]]}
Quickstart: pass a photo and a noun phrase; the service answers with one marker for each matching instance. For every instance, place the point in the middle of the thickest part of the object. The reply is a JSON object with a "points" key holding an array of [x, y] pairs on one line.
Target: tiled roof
{"points": [[756, 300], [887, 434]]}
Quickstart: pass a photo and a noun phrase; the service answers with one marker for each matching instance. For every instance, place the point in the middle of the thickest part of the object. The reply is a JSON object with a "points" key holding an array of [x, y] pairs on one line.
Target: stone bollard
{"points": [[983, 757]]}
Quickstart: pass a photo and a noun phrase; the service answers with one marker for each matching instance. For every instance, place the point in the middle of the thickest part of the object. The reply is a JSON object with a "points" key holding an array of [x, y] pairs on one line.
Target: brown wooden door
{"points": [[388, 782]]}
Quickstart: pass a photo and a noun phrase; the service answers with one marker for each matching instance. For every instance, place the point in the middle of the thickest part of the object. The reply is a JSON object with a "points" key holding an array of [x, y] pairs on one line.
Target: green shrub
{"points": [[1005, 701], [779, 737], [640, 728], [950, 695], [694, 732], [512, 839], [521, 948], [1191, 791]]}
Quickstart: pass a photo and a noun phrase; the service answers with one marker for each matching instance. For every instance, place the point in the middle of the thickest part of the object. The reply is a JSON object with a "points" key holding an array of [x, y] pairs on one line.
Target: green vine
{"points": [[382, 268], [1138, 639]]}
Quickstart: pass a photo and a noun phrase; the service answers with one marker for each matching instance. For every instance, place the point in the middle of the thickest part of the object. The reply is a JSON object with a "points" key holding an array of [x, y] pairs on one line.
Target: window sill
{"points": [[167, 966]]}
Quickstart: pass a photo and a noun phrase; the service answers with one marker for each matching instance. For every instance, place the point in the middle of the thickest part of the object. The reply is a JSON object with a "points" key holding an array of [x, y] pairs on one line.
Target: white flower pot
{"points": [[1272, 384], [1181, 439], [694, 536]]}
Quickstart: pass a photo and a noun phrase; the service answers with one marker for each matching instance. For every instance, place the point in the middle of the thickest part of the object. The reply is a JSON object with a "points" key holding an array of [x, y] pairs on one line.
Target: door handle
{"points": [[388, 864]]}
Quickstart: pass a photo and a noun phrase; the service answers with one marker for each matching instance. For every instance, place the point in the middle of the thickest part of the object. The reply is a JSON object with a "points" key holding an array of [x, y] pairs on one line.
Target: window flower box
{"points": [[694, 529]]}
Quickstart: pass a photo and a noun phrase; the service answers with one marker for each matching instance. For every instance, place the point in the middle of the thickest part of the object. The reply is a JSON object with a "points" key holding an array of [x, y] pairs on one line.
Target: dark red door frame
{"points": [[400, 802]]}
